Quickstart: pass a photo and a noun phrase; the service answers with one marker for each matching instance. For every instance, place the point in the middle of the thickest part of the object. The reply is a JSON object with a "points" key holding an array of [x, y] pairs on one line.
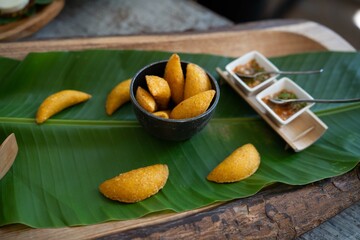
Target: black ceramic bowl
{"points": [[169, 129]]}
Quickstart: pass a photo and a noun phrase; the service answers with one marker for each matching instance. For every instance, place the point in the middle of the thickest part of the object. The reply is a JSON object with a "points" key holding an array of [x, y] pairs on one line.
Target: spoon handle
{"points": [[278, 72], [299, 72], [283, 101]]}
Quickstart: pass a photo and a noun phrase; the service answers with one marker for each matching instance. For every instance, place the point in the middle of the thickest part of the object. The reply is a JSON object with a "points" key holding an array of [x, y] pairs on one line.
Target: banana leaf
{"points": [[54, 180], [7, 66], [43, 1]]}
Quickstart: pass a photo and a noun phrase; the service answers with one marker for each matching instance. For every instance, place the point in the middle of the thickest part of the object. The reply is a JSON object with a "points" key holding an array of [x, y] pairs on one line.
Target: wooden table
{"points": [[283, 212]]}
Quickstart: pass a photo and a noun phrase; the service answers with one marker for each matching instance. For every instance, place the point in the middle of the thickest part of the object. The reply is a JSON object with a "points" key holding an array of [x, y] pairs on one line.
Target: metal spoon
{"points": [[277, 72], [284, 101]]}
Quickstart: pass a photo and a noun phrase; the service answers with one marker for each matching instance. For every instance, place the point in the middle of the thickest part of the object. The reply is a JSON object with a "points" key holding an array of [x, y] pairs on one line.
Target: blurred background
{"points": [[338, 15]]}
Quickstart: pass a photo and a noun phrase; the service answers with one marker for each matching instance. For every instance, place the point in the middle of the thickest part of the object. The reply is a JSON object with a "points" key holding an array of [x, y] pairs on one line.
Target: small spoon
{"points": [[8, 152], [277, 72], [284, 101]]}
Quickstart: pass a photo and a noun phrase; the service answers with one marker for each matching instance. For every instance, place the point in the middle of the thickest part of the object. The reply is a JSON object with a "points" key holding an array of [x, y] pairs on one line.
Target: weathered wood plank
{"points": [[227, 43], [280, 212]]}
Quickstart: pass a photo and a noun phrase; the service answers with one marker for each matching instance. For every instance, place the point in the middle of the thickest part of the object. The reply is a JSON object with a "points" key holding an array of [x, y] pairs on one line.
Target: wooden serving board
{"points": [[227, 43], [283, 212]]}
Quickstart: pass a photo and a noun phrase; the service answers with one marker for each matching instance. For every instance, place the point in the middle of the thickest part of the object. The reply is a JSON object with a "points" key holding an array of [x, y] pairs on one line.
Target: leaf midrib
{"points": [[133, 123]]}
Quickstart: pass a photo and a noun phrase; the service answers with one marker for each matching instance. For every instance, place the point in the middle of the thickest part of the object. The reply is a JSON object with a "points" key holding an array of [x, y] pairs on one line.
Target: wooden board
{"points": [[30, 25], [281, 211], [227, 43]]}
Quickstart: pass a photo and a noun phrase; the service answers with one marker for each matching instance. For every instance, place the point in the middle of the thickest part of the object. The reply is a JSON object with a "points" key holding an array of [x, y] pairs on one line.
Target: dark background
{"points": [[334, 14]]}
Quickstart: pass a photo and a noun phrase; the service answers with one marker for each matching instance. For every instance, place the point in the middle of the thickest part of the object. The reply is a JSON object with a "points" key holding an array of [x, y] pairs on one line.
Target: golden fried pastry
{"points": [[136, 185], [159, 89], [163, 114], [119, 95], [59, 101], [193, 106], [145, 99], [175, 77], [240, 164], [196, 81]]}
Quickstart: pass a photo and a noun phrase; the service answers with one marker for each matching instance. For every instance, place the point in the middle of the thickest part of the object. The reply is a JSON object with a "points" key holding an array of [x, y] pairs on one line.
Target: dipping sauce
{"points": [[284, 111], [251, 68]]}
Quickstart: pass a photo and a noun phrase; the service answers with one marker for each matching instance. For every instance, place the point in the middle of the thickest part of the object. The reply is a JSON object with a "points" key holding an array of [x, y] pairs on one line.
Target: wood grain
{"points": [[281, 211], [226, 43], [29, 25]]}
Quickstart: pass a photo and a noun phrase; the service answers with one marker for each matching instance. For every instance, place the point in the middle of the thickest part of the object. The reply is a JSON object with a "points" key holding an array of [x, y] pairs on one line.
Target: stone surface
{"points": [[82, 18]]}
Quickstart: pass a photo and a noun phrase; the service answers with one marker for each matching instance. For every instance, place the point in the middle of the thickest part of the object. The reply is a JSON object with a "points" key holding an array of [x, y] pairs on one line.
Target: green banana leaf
{"points": [[7, 66], [43, 1], [54, 180]]}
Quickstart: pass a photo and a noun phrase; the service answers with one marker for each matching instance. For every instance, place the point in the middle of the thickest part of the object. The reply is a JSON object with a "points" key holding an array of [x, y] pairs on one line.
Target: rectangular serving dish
{"points": [[299, 134]]}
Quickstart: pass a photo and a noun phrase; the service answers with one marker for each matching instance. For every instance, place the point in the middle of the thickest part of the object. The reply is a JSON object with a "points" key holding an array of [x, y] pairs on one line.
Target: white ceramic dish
{"points": [[283, 84], [299, 134], [262, 61]]}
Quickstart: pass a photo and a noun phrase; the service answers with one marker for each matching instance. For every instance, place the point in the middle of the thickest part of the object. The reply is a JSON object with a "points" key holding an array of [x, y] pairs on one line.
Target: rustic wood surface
{"points": [[270, 43], [30, 25], [278, 212], [272, 38]]}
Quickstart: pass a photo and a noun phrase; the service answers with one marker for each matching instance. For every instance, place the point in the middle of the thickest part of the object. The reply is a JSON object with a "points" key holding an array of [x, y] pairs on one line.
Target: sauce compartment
{"points": [[275, 109], [246, 59]]}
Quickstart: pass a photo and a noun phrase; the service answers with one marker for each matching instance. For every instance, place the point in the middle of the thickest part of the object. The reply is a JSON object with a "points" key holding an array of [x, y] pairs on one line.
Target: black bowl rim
{"points": [[211, 108]]}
